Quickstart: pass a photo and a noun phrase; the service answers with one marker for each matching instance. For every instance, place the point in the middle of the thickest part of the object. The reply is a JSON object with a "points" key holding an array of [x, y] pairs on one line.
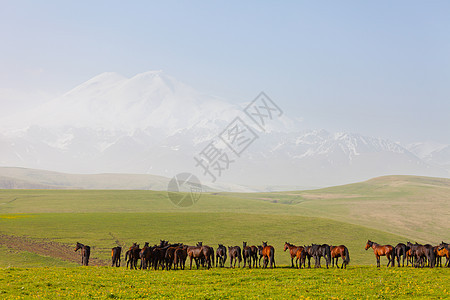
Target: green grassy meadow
{"points": [[280, 283], [387, 210]]}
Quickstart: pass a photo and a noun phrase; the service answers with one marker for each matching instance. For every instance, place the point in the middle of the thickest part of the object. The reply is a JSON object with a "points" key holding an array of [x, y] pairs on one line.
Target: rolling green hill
{"points": [[413, 206], [23, 178]]}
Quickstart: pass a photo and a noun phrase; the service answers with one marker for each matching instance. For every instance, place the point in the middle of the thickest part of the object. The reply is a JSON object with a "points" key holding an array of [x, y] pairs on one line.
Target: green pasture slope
{"points": [[386, 210]]}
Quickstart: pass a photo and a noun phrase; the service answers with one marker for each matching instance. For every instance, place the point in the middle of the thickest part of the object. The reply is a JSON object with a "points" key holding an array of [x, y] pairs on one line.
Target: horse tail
{"points": [[112, 253], [212, 255], [347, 256], [328, 254], [272, 256]]}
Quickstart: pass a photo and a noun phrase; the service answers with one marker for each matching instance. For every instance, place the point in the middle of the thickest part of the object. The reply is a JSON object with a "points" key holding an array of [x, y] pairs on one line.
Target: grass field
{"points": [[101, 230], [40, 228], [119, 283]]}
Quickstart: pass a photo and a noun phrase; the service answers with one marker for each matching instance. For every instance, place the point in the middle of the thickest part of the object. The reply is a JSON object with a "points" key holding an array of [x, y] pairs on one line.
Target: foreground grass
{"points": [[119, 283]]}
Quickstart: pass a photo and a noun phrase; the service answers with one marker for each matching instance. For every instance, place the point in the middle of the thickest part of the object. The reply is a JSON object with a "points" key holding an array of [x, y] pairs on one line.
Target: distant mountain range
{"points": [[153, 124]]}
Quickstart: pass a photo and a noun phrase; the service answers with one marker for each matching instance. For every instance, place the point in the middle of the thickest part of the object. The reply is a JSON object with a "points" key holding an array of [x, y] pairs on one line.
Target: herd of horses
{"points": [[416, 254], [173, 256]]}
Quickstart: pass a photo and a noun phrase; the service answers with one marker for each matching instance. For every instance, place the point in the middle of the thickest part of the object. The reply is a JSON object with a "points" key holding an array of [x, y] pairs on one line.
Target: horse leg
{"points": [[378, 261]]}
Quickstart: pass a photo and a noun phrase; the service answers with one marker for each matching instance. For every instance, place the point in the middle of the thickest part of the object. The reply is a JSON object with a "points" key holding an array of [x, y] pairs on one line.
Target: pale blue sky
{"points": [[379, 68]]}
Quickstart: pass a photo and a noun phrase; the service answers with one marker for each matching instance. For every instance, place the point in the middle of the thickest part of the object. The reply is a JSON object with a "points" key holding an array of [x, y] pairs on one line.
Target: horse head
{"points": [[369, 244], [78, 246]]}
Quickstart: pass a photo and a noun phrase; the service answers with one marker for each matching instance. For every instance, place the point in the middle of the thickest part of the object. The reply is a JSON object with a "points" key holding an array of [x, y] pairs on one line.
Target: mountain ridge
{"points": [[152, 123]]}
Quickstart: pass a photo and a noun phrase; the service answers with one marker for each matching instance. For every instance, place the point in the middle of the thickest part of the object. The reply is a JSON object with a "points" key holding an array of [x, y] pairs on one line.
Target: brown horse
{"points": [[443, 250], [115, 256], [132, 256], [268, 253], [85, 253], [382, 250], [440, 253], [293, 252], [342, 252], [180, 256], [299, 255], [247, 254], [198, 253]]}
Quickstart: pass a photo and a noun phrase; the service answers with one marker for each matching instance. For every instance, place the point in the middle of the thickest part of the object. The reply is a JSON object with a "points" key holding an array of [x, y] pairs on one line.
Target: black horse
{"points": [[85, 253], [221, 255], [115, 256], [423, 255], [306, 254], [235, 255], [399, 252], [319, 251]]}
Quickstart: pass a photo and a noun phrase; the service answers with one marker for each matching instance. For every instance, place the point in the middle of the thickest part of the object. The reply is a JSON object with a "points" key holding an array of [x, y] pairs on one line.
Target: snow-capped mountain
{"points": [[432, 153], [152, 123]]}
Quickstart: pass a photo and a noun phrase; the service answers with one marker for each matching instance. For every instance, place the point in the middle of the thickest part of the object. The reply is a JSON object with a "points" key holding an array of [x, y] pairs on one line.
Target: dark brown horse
{"points": [[268, 253], [381, 250], [221, 255], [306, 254], [132, 256], [143, 253], [170, 256], [247, 254], [254, 255], [180, 256], [235, 255], [115, 256], [293, 250], [85, 253], [342, 252]]}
